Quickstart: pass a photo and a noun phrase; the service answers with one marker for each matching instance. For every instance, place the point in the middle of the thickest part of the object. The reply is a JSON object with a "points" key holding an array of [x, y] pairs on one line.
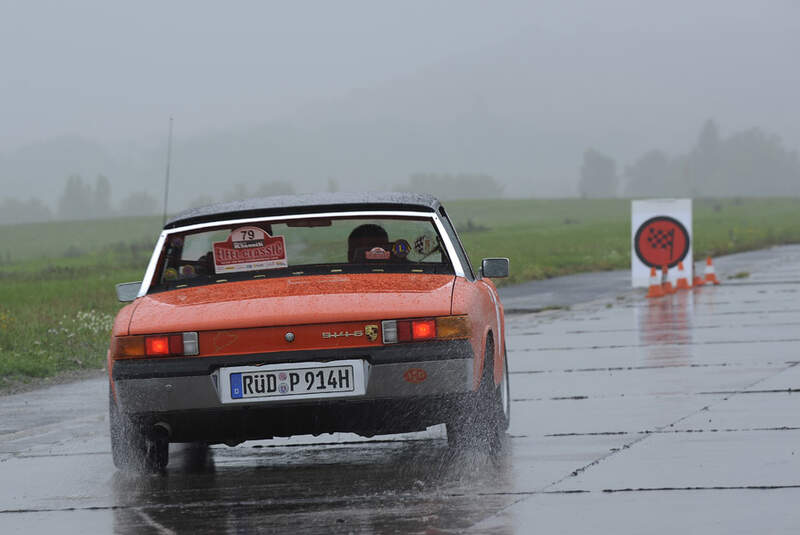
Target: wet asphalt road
{"points": [[629, 416]]}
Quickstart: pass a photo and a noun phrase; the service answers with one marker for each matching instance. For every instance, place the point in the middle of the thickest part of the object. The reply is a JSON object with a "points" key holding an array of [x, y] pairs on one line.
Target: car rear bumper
{"points": [[367, 417], [179, 391]]}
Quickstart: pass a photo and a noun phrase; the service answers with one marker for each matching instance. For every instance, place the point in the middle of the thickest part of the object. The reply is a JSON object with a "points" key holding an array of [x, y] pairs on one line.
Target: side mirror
{"points": [[127, 291], [494, 268]]}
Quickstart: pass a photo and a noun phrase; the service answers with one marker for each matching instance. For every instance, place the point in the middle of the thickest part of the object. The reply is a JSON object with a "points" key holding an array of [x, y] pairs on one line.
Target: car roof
{"points": [[302, 204]]}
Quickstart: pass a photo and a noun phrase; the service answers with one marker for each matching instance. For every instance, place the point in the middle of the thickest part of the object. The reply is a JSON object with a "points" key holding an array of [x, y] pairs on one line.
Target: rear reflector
{"points": [[190, 346], [176, 344], [404, 331], [389, 329]]}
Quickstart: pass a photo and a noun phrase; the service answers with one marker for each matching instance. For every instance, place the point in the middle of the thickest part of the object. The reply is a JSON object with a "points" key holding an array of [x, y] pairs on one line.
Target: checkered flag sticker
{"points": [[661, 239]]}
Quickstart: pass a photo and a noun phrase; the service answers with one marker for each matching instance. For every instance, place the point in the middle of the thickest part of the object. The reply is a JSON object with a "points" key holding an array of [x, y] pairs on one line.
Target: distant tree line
{"points": [[453, 186], [598, 175], [20, 211], [79, 200], [82, 200], [749, 163], [241, 191]]}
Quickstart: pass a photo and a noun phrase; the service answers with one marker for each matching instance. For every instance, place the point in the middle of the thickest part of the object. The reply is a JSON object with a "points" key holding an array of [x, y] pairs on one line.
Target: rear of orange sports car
{"points": [[307, 315]]}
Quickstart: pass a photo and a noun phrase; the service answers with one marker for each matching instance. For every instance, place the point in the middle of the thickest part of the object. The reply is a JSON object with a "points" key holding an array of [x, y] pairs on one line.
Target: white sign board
{"points": [[661, 235]]}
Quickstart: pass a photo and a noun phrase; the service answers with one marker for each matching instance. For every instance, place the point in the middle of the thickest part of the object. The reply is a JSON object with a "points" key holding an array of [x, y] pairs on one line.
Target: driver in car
{"points": [[363, 240]]}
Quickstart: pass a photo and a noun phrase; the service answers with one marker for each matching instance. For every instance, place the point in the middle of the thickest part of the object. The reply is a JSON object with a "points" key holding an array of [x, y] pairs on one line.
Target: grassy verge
{"points": [[75, 239], [57, 317], [57, 280]]}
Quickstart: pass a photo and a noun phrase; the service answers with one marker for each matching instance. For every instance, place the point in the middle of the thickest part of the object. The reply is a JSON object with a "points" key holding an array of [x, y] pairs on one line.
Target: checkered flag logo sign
{"points": [[661, 239]]}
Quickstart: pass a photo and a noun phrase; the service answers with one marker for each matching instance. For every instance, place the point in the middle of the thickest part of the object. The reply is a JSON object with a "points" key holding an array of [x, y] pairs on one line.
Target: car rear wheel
{"points": [[483, 419], [504, 389], [131, 447]]}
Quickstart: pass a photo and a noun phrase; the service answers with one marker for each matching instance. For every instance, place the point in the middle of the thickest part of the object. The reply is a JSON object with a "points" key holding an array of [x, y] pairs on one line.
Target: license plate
{"points": [[343, 378]]}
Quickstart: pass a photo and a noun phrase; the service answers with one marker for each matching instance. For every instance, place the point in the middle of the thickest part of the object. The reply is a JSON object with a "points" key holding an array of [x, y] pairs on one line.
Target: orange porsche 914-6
{"points": [[306, 315]]}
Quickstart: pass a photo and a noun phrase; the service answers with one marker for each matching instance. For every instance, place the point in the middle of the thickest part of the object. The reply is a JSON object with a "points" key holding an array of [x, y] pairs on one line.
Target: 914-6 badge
{"points": [[372, 332], [342, 334]]}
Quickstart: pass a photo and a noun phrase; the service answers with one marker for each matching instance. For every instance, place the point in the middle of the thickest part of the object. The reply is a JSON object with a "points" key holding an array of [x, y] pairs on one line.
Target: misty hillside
{"points": [[40, 169], [523, 111]]}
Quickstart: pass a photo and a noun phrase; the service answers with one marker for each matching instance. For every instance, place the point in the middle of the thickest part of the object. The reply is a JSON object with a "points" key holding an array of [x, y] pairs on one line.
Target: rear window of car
{"points": [[308, 246]]}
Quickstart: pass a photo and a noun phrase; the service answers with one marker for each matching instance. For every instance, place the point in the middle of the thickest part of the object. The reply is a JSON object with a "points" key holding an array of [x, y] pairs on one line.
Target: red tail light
{"points": [[156, 345], [162, 345], [441, 328], [423, 329]]}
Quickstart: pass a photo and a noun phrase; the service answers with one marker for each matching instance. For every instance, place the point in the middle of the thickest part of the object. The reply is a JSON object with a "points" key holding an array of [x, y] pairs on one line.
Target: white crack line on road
{"points": [[160, 528], [49, 455], [49, 428], [624, 447], [42, 431]]}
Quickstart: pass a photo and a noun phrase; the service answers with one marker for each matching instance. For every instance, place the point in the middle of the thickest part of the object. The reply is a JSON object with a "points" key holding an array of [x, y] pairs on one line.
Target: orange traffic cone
{"points": [[683, 282], [698, 280], [710, 275], [655, 289], [665, 284]]}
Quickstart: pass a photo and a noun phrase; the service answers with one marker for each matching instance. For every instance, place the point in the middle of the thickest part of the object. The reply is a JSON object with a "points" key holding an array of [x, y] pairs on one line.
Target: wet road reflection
{"points": [[418, 486], [665, 328]]}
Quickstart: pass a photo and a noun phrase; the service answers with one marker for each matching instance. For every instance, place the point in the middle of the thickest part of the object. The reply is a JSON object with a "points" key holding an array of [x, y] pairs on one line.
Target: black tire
{"points": [[482, 420], [505, 393], [132, 449]]}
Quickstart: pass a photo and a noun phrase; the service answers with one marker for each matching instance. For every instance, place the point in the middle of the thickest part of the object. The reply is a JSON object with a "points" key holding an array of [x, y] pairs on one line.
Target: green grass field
{"points": [[57, 297], [548, 238]]}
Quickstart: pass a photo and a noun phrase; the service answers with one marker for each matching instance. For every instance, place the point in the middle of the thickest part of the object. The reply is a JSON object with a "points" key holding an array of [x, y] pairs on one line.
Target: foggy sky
{"points": [[547, 79]]}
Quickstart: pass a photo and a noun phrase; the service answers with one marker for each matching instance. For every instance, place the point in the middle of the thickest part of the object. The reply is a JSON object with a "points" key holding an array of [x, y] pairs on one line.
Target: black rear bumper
{"points": [[367, 418]]}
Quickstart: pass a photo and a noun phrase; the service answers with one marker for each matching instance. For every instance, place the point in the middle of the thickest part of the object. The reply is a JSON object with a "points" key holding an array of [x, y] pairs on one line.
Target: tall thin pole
{"points": [[166, 178]]}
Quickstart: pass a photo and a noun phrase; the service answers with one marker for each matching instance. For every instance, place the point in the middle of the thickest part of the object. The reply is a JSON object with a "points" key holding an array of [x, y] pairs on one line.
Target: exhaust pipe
{"points": [[162, 430]]}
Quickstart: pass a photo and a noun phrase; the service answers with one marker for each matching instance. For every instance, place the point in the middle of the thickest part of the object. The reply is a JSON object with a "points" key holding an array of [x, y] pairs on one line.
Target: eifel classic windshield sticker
{"points": [[377, 253], [249, 249]]}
